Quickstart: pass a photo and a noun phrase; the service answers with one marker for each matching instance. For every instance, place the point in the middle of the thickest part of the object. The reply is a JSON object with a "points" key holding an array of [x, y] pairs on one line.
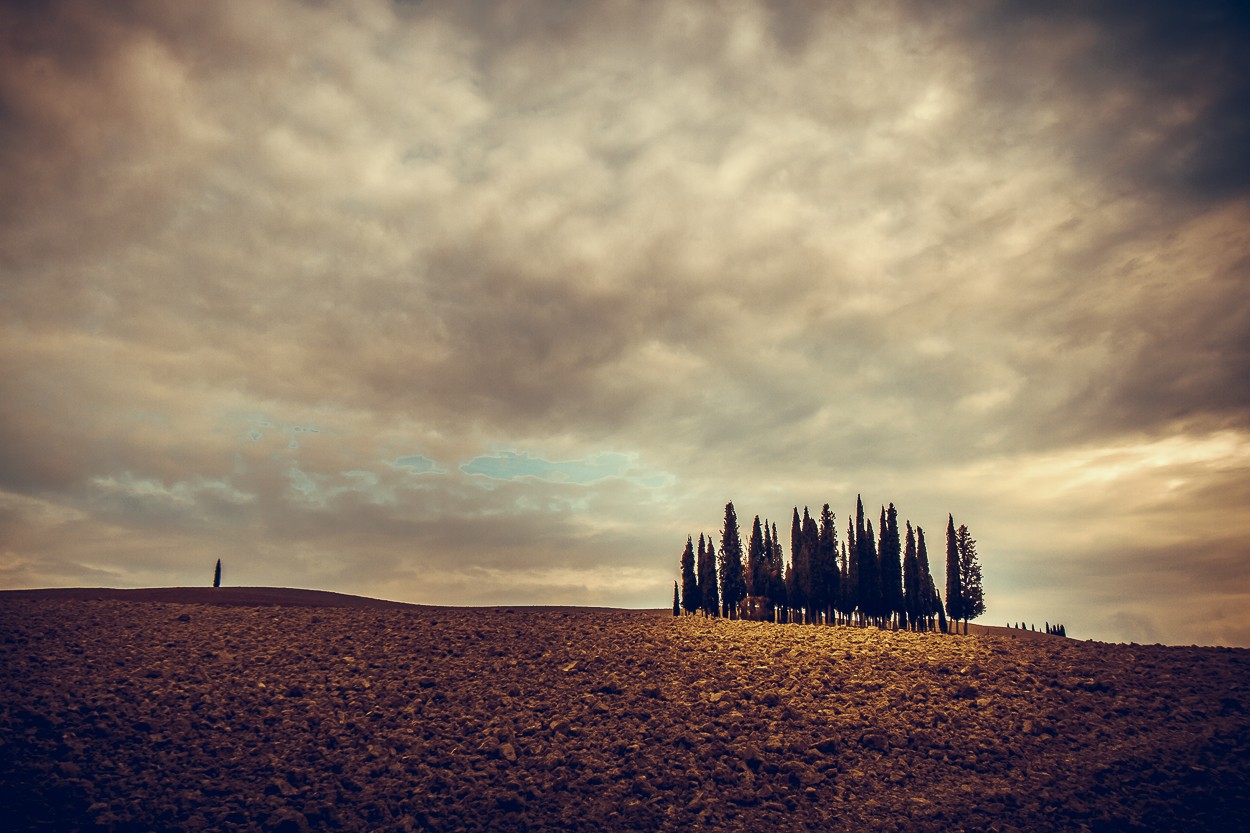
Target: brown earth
{"points": [[279, 712]]}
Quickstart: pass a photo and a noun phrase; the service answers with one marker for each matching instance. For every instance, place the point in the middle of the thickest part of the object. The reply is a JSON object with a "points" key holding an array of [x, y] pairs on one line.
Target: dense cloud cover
{"points": [[497, 302]]}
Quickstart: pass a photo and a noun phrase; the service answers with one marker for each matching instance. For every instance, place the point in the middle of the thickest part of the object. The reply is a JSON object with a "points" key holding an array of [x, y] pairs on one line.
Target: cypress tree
{"points": [[756, 579], [865, 560], [826, 580], [796, 588], [217, 574], [954, 590], [969, 576], [846, 593], [777, 573], [913, 605], [851, 585], [932, 602], [875, 608], [690, 600], [676, 601], [709, 602], [811, 538], [733, 583], [891, 567]]}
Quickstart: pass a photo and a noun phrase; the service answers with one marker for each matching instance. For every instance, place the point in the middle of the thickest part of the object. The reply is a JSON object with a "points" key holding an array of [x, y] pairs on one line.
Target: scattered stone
{"points": [[373, 719]]}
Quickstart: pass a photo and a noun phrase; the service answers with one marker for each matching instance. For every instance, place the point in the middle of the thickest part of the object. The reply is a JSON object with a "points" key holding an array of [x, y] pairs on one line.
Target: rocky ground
{"points": [[160, 715]]}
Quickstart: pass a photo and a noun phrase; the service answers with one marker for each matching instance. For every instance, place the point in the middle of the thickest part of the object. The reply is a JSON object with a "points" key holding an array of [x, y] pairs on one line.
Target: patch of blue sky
{"points": [[320, 489], [417, 464], [511, 465]]}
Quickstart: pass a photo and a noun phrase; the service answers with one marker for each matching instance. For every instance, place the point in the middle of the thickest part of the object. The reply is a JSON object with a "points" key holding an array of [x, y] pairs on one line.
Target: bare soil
{"points": [[256, 709]]}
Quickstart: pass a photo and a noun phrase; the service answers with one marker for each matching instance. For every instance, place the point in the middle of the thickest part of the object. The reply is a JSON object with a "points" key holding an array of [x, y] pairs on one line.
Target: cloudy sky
{"points": [[494, 303]]}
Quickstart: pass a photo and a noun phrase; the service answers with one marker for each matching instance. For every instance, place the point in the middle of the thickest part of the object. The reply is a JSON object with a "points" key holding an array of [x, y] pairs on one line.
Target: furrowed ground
{"points": [[155, 715]]}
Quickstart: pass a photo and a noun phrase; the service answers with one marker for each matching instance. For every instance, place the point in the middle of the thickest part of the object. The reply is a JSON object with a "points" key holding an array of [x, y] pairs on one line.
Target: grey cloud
{"points": [[773, 251]]}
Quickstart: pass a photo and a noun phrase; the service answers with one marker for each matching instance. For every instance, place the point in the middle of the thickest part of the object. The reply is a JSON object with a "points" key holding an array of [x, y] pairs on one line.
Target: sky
{"points": [[496, 302]]}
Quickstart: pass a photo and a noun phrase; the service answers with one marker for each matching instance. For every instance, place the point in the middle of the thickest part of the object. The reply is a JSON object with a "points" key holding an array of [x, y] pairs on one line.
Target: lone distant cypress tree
{"points": [[676, 601], [733, 583], [690, 601], [954, 588], [217, 574]]}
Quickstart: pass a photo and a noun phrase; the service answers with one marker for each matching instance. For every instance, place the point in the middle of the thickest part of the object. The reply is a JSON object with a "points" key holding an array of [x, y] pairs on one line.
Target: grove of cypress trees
{"points": [[954, 588], [690, 600]]}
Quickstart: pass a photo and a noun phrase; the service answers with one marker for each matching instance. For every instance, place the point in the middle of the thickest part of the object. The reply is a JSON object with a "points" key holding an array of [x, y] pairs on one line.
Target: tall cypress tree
{"points": [[891, 566], [217, 574], [929, 594], [851, 585], [826, 580], [796, 588], [733, 582], [954, 588], [913, 605], [709, 602], [777, 574], [969, 576], [873, 586], [676, 601], [811, 538], [756, 577], [690, 600]]}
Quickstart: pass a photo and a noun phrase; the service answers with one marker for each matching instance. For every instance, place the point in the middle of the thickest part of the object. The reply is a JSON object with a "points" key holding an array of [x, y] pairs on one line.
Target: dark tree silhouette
{"points": [[826, 580], [775, 563], [732, 580], [217, 574], [690, 600], [891, 566], [913, 602], [969, 576], [676, 601], [709, 600], [932, 600], [755, 559], [866, 558], [811, 538], [850, 577], [800, 562], [954, 587]]}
